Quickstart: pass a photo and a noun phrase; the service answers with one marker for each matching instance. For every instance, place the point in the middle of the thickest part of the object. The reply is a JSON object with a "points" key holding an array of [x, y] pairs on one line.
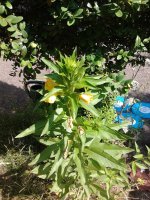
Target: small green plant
{"points": [[80, 152], [140, 161]]}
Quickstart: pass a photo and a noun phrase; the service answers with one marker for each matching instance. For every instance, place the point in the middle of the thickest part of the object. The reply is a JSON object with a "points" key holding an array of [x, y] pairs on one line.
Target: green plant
{"points": [[80, 152], [140, 161], [104, 29]]}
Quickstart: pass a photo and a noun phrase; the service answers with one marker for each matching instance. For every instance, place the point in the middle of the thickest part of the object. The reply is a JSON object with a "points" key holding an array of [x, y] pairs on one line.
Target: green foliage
{"points": [[80, 151], [105, 31], [140, 161]]}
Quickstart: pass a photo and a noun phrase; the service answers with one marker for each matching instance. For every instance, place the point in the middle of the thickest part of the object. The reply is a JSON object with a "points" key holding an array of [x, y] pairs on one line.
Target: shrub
{"points": [[80, 155], [105, 31]]}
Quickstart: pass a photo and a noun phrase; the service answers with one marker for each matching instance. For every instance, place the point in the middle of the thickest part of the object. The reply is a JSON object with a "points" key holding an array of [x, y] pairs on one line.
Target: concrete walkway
{"points": [[12, 94]]}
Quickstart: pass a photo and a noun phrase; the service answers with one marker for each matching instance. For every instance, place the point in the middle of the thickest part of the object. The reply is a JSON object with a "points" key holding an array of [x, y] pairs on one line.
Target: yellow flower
{"points": [[50, 84], [51, 99], [141, 181], [87, 98]]}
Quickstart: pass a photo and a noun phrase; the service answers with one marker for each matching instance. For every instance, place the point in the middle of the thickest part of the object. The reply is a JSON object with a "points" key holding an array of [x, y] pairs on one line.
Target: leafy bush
{"points": [[83, 154], [105, 31]]}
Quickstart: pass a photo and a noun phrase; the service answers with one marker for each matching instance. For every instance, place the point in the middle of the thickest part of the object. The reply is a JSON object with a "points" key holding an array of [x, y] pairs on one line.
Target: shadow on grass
{"points": [[20, 184], [16, 114], [139, 195]]}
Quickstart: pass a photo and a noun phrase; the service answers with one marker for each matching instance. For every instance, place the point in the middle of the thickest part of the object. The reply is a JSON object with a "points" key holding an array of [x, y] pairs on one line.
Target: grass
{"points": [[16, 180]]}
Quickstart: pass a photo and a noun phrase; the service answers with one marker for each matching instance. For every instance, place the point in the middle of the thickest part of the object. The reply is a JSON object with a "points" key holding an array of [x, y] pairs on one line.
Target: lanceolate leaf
{"points": [[45, 154], [35, 128], [90, 108], [52, 92], [48, 141], [50, 65], [42, 170], [111, 134], [96, 82], [118, 126], [57, 163], [104, 159], [103, 192], [74, 106], [115, 151], [80, 168]]}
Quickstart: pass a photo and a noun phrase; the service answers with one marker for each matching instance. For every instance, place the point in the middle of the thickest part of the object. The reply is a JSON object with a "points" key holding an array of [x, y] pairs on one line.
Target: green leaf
{"points": [[134, 168], [137, 41], [71, 21], [80, 168], [110, 134], [2, 9], [3, 46], [24, 51], [15, 45], [146, 40], [78, 12], [103, 159], [45, 154], [12, 28], [114, 150], [137, 148], [24, 63], [139, 156], [42, 170], [93, 81], [48, 141], [74, 107], [3, 22], [141, 165], [90, 108], [119, 13], [64, 9], [102, 192], [50, 65], [57, 163], [52, 92], [119, 57], [22, 26], [56, 77], [16, 34], [147, 162], [24, 33], [35, 128], [13, 19], [8, 5], [47, 126]]}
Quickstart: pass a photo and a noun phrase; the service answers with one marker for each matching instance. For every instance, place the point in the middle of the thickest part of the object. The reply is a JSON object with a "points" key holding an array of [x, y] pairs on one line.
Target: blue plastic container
{"points": [[141, 109]]}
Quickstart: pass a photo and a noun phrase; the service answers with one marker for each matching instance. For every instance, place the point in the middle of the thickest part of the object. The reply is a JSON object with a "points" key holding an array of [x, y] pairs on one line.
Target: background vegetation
{"points": [[82, 148], [105, 31]]}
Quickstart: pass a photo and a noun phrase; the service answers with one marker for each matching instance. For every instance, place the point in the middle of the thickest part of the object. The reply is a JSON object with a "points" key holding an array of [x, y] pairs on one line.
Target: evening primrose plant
{"points": [[80, 155]]}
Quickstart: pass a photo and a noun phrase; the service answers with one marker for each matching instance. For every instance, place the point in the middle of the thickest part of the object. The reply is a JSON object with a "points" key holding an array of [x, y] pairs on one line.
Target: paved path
{"points": [[12, 94]]}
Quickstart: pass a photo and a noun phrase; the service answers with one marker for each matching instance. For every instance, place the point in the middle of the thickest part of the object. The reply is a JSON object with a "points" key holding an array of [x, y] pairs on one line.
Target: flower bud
{"points": [[50, 84], [87, 98], [81, 130], [51, 99]]}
